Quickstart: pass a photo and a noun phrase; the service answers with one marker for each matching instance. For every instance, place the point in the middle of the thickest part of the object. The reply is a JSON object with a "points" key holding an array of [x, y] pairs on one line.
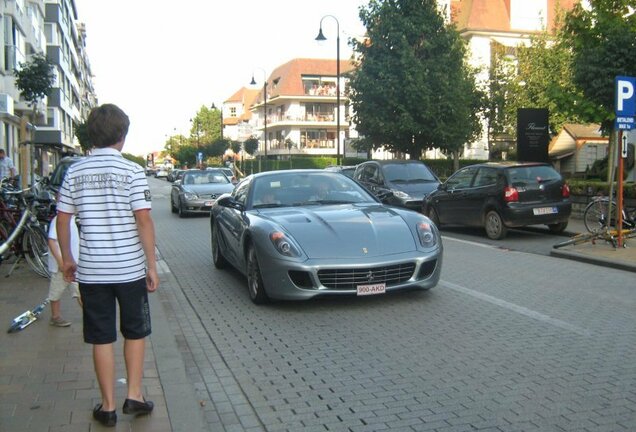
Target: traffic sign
{"points": [[625, 96], [624, 123], [624, 147]]}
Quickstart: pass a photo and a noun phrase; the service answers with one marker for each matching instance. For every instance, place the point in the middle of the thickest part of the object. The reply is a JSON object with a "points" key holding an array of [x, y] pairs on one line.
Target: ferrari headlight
{"points": [[190, 196], [283, 245], [400, 194], [427, 234]]}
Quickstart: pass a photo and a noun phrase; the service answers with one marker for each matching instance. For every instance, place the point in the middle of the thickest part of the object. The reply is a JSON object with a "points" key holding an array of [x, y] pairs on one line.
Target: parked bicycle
{"points": [[21, 234], [601, 214]]}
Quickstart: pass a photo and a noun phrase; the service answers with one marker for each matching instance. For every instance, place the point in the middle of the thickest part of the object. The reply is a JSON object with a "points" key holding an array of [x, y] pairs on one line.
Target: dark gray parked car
{"points": [[403, 183], [498, 196]]}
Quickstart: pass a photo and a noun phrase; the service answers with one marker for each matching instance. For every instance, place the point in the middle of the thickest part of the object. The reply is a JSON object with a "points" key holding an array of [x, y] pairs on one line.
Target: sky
{"points": [[161, 61]]}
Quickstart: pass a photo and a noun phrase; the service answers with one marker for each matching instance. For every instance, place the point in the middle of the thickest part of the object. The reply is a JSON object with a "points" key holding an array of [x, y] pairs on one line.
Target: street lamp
{"points": [[321, 37], [253, 82]]}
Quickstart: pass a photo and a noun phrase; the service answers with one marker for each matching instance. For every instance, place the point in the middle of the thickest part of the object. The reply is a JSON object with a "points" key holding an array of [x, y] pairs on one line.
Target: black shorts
{"points": [[100, 313]]}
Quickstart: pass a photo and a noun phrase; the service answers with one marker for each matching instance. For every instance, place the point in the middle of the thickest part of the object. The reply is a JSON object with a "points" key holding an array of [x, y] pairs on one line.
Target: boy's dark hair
{"points": [[107, 125]]}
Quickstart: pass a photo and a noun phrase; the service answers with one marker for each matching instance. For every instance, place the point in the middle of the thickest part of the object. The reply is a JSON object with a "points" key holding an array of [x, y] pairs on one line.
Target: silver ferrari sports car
{"points": [[299, 234]]}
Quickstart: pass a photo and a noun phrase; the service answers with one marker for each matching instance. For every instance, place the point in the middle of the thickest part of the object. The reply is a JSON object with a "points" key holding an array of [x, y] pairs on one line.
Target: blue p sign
{"points": [[625, 96]]}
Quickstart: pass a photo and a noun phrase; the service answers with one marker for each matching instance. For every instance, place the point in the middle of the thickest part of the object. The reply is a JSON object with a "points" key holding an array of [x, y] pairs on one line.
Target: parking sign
{"points": [[625, 91]]}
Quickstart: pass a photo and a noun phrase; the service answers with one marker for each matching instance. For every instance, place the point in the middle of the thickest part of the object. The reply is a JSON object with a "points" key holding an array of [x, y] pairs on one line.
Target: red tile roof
{"points": [[286, 80]]}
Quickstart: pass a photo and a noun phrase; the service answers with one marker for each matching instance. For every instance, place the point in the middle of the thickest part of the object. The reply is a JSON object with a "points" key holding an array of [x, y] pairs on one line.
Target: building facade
{"points": [[50, 27], [73, 94], [298, 112], [21, 35], [236, 114]]}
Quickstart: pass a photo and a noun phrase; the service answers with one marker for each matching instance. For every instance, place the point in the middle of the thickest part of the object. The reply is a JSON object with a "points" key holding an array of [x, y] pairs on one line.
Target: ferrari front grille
{"points": [[348, 279]]}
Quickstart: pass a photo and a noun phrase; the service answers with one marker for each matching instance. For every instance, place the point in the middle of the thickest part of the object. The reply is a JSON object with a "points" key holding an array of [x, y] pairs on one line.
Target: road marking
{"points": [[516, 308], [472, 243]]}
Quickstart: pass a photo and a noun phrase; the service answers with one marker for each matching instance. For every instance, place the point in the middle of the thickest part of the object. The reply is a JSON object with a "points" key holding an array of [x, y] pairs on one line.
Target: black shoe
{"points": [[106, 418], [138, 408]]}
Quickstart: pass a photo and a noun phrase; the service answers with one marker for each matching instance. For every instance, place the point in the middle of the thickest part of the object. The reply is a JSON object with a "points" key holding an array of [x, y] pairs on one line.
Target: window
{"points": [[462, 179], [232, 111], [240, 193], [486, 177]]}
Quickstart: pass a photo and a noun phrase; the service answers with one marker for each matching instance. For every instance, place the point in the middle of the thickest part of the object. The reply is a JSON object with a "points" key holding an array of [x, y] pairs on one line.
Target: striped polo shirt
{"points": [[104, 190]]}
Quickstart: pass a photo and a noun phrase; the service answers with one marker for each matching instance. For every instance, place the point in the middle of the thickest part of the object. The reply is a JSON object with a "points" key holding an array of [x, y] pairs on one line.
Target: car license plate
{"points": [[371, 289], [208, 203], [544, 210]]}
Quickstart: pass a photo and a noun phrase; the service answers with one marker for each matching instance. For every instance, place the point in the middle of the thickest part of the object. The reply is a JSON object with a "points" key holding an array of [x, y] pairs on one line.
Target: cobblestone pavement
{"points": [[508, 341]]}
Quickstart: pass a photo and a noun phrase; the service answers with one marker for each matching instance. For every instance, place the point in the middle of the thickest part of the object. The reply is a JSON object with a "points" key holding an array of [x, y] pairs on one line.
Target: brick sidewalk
{"points": [[47, 380]]}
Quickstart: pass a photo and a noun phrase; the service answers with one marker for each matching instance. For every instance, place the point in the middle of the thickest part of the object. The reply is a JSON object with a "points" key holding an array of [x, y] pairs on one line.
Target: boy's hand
{"points": [[152, 280], [69, 269]]}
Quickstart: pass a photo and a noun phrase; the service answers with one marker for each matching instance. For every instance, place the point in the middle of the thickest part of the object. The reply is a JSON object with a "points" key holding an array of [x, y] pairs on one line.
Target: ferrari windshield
{"points": [[285, 189]]}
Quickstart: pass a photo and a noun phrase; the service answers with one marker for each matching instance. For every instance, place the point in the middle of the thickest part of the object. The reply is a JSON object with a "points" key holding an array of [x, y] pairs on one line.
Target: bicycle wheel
{"points": [[579, 238], [36, 249], [595, 216]]}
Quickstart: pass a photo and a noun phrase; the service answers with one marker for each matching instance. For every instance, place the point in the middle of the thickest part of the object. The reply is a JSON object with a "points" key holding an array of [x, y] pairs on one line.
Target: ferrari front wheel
{"points": [[255, 279]]}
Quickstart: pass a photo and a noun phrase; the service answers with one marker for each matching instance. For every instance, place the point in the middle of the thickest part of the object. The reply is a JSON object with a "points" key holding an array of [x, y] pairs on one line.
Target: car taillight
{"points": [[565, 191], [511, 194]]}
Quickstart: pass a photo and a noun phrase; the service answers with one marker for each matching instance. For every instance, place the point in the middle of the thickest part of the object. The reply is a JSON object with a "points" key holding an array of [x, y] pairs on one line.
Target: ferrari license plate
{"points": [[208, 203], [371, 289], [544, 210]]}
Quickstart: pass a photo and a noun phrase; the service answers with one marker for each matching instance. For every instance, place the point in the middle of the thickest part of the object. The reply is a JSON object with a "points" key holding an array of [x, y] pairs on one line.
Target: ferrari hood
{"points": [[346, 231]]}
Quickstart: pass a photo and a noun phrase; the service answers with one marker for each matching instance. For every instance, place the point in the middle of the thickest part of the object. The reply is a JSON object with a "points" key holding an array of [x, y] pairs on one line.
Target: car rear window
{"points": [[525, 175]]}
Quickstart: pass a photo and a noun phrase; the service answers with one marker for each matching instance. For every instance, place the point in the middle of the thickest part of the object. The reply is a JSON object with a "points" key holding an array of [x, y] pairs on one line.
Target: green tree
{"points": [[412, 89], [543, 78], [206, 126], [235, 146], [137, 159], [81, 133], [250, 145], [35, 79], [186, 154], [603, 42], [216, 148]]}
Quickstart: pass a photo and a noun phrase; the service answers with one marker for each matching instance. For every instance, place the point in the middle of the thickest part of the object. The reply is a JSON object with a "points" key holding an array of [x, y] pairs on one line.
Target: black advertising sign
{"points": [[532, 134]]}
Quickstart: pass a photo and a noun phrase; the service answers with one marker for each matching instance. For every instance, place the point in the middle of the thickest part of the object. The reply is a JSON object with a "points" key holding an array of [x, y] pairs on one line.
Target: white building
{"points": [[487, 25], [50, 27], [300, 109], [21, 36]]}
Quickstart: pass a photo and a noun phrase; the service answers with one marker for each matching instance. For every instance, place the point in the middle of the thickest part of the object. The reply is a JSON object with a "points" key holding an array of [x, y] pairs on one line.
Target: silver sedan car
{"points": [[299, 234], [197, 191]]}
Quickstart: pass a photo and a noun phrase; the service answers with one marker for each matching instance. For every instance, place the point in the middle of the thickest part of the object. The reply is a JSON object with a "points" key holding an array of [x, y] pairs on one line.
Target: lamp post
{"points": [[253, 82], [321, 37], [221, 111]]}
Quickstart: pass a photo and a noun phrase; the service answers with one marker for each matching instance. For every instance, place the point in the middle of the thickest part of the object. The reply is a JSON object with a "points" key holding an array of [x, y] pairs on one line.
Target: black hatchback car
{"points": [[502, 195], [403, 183]]}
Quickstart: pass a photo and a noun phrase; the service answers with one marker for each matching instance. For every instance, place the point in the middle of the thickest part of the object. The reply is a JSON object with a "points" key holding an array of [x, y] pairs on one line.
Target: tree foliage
{"points": [[540, 76], [412, 89], [603, 42], [206, 126], [137, 159], [81, 133], [35, 79], [250, 145]]}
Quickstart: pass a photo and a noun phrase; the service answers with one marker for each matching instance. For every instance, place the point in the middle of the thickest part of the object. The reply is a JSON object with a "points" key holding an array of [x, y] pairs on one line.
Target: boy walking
{"points": [[57, 284], [117, 263]]}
